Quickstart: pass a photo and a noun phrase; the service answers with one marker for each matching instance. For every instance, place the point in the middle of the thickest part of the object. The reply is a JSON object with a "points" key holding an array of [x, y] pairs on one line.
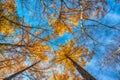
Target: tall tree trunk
{"points": [[12, 45], [81, 70], [17, 73]]}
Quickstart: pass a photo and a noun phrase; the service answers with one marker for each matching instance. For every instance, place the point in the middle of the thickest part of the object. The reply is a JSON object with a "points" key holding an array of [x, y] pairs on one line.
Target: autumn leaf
{"points": [[38, 32], [85, 16], [74, 19], [27, 37], [82, 62]]}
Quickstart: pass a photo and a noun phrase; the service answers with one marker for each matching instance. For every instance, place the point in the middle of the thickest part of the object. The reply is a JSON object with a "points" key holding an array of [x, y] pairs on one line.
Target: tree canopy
{"points": [[59, 40]]}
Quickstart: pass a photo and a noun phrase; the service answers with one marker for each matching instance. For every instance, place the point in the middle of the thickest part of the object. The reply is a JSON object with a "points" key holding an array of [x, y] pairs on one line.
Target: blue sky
{"points": [[93, 66]]}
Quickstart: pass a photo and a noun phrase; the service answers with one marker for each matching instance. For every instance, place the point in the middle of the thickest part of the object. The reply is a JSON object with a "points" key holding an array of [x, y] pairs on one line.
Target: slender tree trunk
{"points": [[17, 73], [12, 45], [81, 70]]}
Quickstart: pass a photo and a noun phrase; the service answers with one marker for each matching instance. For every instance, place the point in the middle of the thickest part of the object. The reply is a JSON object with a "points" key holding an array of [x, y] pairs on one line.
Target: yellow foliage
{"points": [[9, 5], [52, 15], [59, 77], [6, 31], [74, 19], [51, 21], [85, 16], [10, 65], [2, 48], [64, 76], [38, 49], [82, 62], [52, 77], [10, 31], [59, 27], [5, 27], [27, 37], [38, 32], [73, 53]]}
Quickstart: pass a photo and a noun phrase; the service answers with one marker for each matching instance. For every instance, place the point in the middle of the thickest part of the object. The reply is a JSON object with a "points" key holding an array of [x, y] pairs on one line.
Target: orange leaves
{"points": [[4, 27], [38, 32], [82, 62], [61, 58], [74, 19], [85, 16], [2, 47], [38, 49], [73, 52], [64, 76], [10, 65], [9, 5], [64, 22], [60, 27], [59, 77], [6, 31], [27, 37], [32, 46]]}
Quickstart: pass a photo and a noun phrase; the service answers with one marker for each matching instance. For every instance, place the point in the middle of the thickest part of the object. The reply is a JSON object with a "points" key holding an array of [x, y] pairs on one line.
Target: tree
{"points": [[67, 55], [14, 75], [24, 42]]}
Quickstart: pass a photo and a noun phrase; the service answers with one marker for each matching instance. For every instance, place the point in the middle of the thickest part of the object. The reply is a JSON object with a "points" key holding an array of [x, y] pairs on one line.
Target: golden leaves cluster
{"points": [[38, 48], [74, 19], [63, 24], [10, 65], [59, 77], [64, 76], [5, 27], [9, 5], [73, 52], [60, 27]]}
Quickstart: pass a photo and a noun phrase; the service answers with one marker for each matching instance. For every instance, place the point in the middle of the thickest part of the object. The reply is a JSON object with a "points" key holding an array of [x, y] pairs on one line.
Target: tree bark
{"points": [[13, 45], [17, 73], [81, 70]]}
